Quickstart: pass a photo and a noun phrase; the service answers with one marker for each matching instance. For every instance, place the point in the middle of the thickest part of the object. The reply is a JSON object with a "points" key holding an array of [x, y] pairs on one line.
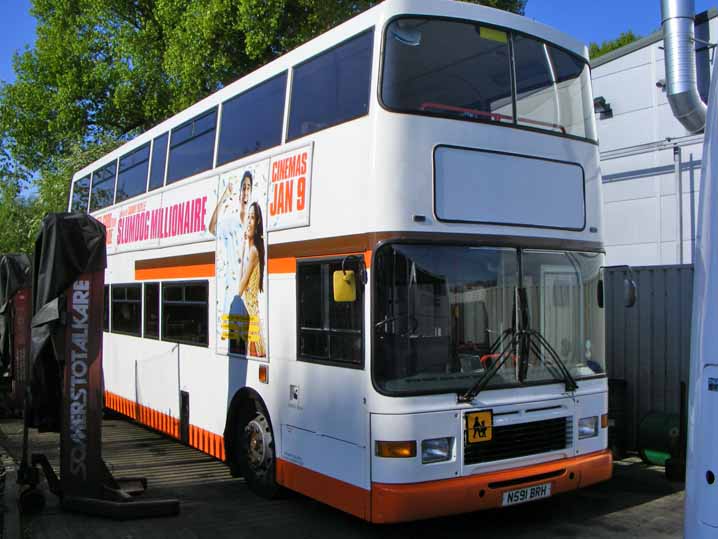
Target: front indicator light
{"points": [[396, 450], [436, 450], [587, 427]]}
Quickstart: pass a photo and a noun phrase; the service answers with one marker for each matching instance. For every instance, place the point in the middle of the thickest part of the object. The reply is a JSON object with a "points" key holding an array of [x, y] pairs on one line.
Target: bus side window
{"points": [[252, 121], [132, 174], [126, 308], [81, 194], [159, 160], [192, 146], [106, 315], [331, 88], [152, 311], [102, 192], [185, 312], [328, 331]]}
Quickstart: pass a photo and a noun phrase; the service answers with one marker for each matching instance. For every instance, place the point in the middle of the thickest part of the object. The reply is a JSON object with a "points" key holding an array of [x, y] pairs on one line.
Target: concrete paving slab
{"points": [[637, 502]]}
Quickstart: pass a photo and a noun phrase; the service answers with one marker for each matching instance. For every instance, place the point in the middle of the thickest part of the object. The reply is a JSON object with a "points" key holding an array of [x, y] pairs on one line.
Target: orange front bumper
{"points": [[399, 503]]}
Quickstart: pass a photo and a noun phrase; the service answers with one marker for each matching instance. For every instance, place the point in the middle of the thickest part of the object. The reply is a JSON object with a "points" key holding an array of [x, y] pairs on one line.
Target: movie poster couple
{"points": [[238, 224]]}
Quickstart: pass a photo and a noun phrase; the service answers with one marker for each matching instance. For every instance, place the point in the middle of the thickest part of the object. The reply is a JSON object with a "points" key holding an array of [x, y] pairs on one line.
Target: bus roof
{"points": [[374, 17]]}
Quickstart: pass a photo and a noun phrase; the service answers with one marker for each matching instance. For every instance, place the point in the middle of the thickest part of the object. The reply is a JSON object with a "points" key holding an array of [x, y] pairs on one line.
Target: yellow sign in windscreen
{"points": [[493, 34], [479, 426]]}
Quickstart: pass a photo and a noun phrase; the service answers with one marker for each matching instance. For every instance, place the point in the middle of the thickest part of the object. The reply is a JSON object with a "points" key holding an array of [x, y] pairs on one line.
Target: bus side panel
{"points": [[132, 368], [320, 422], [118, 375], [156, 383], [212, 383], [282, 318]]}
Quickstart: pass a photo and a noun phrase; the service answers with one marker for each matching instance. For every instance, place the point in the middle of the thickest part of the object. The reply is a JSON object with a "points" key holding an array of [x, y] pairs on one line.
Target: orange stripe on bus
{"points": [[349, 498], [282, 265], [289, 264], [176, 272], [204, 440], [176, 267], [404, 502]]}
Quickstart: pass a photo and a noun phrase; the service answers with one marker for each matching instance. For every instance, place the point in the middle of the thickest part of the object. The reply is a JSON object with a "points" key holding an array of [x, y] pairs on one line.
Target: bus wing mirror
{"points": [[630, 288], [599, 294], [629, 292], [345, 286]]}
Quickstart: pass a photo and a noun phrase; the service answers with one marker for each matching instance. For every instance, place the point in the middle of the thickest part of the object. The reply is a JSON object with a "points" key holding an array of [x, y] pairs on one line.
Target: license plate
{"points": [[526, 494]]}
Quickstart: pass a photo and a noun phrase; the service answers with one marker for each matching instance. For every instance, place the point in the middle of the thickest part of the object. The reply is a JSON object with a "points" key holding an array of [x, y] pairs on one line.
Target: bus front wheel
{"points": [[256, 452]]}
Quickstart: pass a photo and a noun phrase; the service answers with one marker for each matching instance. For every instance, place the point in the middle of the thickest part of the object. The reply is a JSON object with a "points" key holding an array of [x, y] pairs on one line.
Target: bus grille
{"points": [[520, 440]]}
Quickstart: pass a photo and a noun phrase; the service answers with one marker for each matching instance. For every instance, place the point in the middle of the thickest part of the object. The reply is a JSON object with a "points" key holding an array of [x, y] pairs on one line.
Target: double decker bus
{"points": [[370, 271]]}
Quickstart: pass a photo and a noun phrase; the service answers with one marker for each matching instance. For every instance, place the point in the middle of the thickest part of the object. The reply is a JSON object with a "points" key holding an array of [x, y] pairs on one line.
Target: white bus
{"points": [[370, 271], [701, 520]]}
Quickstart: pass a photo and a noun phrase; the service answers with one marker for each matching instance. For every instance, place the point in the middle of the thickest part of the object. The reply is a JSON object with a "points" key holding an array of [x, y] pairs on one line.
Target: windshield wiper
{"points": [[507, 342], [568, 378], [524, 339]]}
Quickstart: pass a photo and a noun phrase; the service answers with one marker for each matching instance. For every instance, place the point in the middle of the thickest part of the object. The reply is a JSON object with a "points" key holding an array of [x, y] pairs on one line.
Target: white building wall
{"points": [[641, 224]]}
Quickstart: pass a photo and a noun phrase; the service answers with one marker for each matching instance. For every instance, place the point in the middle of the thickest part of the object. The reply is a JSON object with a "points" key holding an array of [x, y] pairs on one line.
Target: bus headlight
{"points": [[436, 450], [587, 427]]}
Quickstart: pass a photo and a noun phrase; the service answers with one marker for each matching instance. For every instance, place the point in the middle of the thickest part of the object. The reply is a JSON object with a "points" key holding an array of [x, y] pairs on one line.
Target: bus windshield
{"points": [[465, 71], [440, 309]]}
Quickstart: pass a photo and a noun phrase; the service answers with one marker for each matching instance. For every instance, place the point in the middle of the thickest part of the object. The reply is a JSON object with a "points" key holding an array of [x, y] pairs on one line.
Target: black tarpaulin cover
{"points": [[68, 245], [14, 275]]}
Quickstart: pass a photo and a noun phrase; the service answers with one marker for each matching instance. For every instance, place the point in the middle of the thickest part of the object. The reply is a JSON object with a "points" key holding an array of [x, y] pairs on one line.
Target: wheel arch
{"points": [[242, 407]]}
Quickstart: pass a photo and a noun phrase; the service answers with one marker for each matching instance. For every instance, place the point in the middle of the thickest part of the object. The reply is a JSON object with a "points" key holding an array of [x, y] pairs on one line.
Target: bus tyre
{"points": [[256, 454]]}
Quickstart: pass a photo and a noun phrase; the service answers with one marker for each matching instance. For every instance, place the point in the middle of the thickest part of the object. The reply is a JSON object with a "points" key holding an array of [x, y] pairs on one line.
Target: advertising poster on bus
{"points": [[238, 222], [175, 217], [290, 189]]}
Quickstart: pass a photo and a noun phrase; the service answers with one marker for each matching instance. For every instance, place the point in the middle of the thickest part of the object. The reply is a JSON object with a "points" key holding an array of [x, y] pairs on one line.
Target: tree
{"points": [[53, 191], [515, 6], [595, 50], [102, 71], [16, 211]]}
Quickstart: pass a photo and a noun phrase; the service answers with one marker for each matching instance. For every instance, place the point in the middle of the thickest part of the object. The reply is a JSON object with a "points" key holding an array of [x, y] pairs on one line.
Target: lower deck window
{"points": [[329, 332], [185, 312], [152, 311], [126, 309], [106, 310]]}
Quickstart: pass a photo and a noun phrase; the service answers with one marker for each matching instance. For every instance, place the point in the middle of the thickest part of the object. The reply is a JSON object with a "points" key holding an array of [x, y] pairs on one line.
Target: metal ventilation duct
{"points": [[679, 49]]}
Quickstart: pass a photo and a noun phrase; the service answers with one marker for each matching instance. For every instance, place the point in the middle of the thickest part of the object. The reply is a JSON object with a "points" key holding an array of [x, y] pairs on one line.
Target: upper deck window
{"points": [[159, 159], [103, 187], [192, 146], [448, 68], [553, 89], [463, 70], [333, 87], [252, 121], [132, 176], [81, 194]]}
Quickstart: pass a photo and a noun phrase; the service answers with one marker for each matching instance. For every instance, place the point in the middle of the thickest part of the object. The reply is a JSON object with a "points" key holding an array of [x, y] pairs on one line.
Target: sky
{"points": [[588, 21], [17, 29], [601, 20]]}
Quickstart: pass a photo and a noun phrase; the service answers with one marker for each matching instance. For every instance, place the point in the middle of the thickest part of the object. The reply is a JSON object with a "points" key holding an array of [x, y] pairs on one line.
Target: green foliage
{"points": [[595, 50], [53, 191], [515, 6], [16, 211], [102, 71], [16, 215]]}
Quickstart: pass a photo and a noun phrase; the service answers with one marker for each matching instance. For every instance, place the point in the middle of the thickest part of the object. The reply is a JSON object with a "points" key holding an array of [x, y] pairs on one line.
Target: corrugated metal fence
{"points": [[648, 346]]}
